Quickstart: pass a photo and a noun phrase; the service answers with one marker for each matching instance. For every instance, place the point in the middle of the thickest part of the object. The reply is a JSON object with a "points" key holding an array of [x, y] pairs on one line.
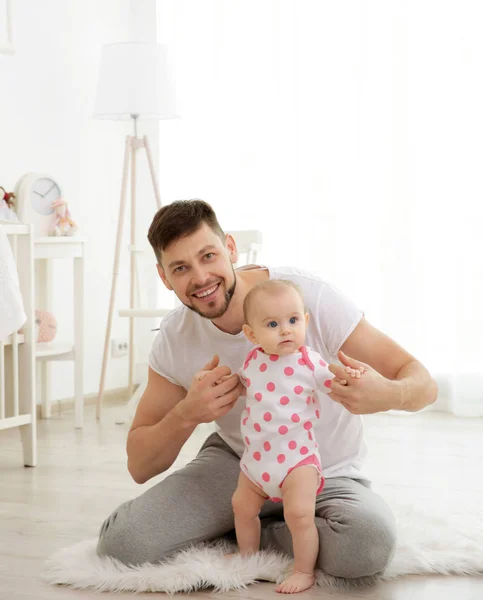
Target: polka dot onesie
{"points": [[281, 408]]}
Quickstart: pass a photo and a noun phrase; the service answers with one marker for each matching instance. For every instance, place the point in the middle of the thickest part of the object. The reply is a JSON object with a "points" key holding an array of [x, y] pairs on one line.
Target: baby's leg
{"points": [[247, 502], [299, 491]]}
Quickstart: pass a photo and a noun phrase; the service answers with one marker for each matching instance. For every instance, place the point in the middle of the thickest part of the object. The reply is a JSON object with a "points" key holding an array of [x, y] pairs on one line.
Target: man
{"points": [[195, 260]]}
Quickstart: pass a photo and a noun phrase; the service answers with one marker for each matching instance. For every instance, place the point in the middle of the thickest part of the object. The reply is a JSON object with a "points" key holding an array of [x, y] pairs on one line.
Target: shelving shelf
{"points": [[47, 249]]}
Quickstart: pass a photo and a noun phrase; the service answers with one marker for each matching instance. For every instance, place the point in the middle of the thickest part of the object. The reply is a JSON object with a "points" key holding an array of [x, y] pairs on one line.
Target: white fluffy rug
{"points": [[450, 545]]}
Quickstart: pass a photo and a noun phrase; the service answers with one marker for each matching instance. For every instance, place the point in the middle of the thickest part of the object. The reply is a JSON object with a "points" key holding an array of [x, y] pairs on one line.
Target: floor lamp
{"points": [[134, 83]]}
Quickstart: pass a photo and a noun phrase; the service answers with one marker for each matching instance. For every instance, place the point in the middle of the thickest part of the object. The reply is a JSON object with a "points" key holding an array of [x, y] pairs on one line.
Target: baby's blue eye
{"points": [[293, 320], [272, 324]]}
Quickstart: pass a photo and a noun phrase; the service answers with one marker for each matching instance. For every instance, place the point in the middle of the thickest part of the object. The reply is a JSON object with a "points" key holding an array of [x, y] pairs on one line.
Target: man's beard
{"points": [[219, 312]]}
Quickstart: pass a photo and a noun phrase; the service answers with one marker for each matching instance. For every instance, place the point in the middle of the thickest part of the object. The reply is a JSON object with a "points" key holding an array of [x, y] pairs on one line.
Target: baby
{"points": [[281, 460]]}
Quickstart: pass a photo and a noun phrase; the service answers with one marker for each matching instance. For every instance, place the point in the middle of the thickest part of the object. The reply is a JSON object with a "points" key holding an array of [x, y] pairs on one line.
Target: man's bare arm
{"points": [[168, 414], [405, 383], [157, 433]]}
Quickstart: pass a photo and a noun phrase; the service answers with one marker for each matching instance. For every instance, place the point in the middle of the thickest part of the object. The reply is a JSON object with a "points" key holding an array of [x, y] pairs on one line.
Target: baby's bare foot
{"points": [[296, 582]]}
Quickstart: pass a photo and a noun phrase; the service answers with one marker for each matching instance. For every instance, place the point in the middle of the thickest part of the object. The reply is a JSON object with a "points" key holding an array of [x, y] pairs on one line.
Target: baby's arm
{"points": [[323, 376]]}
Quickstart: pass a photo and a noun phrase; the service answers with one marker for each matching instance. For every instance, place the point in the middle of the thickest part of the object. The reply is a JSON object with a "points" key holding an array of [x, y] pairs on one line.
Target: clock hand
{"points": [[38, 193], [49, 190]]}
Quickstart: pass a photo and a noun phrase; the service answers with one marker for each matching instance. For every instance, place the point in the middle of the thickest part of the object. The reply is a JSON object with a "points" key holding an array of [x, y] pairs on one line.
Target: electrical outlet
{"points": [[119, 347]]}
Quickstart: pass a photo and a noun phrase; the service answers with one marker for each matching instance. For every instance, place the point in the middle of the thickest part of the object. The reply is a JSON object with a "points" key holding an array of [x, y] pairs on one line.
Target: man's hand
{"points": [[213, 392], [366, 395]]}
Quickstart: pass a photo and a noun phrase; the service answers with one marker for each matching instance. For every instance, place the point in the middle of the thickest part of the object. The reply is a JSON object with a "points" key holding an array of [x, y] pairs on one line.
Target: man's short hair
{"points": [[179, 219], [272, 286]]}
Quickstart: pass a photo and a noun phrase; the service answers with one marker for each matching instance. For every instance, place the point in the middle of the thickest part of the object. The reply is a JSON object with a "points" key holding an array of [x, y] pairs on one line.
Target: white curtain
{"points": [[350, 134]]}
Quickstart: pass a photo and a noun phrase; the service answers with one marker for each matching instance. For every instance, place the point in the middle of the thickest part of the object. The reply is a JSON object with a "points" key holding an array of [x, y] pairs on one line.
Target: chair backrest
{"points": [[248, 243]]}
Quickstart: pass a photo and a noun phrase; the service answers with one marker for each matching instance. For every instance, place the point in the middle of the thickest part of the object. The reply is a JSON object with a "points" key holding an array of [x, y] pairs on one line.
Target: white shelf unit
{"points": [[17, 352], [47, 249]]}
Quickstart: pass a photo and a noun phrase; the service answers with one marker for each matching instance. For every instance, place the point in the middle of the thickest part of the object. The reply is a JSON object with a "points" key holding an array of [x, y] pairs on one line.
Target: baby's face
{"points": [[278, 322]]}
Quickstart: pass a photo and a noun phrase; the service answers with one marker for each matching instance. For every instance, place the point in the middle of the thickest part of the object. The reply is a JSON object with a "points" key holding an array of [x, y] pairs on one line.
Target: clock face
{"points": [[44, 191]]}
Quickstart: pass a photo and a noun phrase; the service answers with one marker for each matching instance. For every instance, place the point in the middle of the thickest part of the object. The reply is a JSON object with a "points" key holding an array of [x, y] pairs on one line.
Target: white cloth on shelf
{"points": [[12, 314]]}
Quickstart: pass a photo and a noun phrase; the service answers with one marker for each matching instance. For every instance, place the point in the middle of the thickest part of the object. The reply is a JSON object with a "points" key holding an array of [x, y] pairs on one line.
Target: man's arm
{"points": [[157, 433], [167, 415], [401, 382]]}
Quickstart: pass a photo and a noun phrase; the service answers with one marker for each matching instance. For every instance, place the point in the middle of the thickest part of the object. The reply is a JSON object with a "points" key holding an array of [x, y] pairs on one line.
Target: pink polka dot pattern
{"points": [[301, 361], [247, 441], [317, 414], [288, 371], [281, 458], [309, 399], [257, 455], [245, 421], [266, 477], [328, 383], [284, 400], [298, 389], [295, 418], [304, 450], [257, 427], [292, 445], [248, 383], [267, 416], [267, 447], [273, 357], [270, 386], [310, 436], [258, 396], [322, 363], [263, 367], [282, 430], [307, 425]]}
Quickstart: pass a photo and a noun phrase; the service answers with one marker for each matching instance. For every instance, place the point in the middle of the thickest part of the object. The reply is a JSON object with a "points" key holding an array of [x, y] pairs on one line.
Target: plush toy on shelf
{"points": [[63, 223], [46, 326]]}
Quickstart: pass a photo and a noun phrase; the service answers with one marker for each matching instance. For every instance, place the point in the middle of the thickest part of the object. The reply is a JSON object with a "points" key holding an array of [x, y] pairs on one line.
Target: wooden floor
{"points": [[81, 477]]}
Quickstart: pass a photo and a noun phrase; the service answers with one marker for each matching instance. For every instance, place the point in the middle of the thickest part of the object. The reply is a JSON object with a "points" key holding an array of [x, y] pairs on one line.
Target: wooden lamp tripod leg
{"points": [[115, 272], [135, 269], [153, 172]]}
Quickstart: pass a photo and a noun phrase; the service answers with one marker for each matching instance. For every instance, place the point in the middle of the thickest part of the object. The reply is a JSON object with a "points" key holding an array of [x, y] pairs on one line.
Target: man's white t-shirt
{"points": [[186, 342]]}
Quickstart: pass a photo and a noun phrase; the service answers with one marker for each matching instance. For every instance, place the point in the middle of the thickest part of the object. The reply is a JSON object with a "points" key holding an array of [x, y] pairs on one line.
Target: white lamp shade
{"points": [[135, 79]]}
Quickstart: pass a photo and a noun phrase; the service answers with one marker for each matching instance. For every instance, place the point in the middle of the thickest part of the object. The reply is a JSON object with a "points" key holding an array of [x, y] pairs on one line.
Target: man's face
{"points": [[199, 269]]}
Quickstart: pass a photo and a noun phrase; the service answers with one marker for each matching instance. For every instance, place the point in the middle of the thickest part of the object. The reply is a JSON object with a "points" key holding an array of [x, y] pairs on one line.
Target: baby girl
{"points": [[281, 460]]}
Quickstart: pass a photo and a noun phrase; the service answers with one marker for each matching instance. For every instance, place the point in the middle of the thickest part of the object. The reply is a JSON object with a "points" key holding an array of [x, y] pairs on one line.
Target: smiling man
{"points": [[193, 379]]}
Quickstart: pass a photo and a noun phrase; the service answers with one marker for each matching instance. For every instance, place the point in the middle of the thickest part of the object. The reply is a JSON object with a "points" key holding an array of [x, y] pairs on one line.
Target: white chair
{"points": [[248, 244]]}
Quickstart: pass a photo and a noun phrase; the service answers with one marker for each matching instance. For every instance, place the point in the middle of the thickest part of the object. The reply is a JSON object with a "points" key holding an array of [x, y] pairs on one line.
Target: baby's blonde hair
{"points": [[272, 286]]}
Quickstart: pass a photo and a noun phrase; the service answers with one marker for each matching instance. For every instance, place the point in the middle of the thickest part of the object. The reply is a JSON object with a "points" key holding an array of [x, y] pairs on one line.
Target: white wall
{"points": [[349, 133], [48, 90]]}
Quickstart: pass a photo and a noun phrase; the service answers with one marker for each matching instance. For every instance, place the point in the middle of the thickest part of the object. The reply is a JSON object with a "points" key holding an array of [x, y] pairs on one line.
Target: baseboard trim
{"points": [[113, 396]]}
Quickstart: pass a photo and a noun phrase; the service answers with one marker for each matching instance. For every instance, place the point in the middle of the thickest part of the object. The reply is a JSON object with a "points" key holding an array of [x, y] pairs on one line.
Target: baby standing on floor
{"points": [[281, 462]]}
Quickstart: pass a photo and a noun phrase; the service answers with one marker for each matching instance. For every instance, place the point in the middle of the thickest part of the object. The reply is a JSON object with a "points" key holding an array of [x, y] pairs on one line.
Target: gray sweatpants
{"points": [[357, 530]]}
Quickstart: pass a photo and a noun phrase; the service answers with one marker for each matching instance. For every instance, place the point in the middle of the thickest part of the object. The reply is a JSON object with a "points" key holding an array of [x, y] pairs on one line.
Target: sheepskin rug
{"points": [[449, 544]]}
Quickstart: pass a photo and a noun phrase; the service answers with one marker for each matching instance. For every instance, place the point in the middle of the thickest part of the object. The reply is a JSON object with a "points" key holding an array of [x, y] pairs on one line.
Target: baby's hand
{"points": [[354, 373], [201, 374]]}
